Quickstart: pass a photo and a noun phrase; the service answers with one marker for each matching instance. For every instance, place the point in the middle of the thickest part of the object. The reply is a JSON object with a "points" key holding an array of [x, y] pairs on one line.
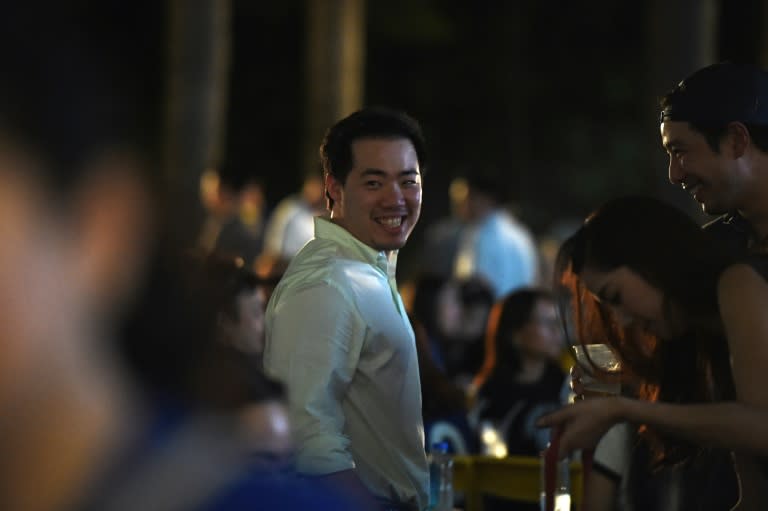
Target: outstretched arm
{"points": [[741, 425], [731, 425]]}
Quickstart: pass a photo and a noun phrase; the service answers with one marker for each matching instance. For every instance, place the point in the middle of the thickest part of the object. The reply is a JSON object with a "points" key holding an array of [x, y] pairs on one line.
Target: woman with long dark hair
{"points": [[526, 379], [690, 328]]}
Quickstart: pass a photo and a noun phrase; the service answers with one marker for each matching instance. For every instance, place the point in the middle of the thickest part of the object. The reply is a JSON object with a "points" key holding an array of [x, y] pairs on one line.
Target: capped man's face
{"points": [[718, 181]]}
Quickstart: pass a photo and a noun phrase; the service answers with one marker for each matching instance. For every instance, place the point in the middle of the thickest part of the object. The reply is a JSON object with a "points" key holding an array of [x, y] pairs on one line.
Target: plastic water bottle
{"points": [[440, 478], [562, 485]]}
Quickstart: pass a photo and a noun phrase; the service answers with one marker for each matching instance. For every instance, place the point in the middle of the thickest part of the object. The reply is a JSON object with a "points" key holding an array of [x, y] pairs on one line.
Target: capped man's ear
{"points": [[738, 139]]}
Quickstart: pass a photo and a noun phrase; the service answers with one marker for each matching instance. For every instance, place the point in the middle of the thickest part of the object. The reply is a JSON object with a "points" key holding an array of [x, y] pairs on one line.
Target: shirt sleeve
{"points": [[313, 347], [612, 452]]}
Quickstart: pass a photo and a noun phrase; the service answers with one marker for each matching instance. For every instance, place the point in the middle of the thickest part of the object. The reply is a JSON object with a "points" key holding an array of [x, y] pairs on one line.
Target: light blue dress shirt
{"points": [[500, 250], [339, 337]]}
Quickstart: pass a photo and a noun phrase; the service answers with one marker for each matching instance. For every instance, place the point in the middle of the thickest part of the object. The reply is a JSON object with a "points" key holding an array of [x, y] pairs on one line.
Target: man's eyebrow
{"points": [[373, 172], [379, 172]]}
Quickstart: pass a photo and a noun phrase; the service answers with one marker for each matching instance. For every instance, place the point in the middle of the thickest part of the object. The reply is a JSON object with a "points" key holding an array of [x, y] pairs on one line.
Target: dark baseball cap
{"points": [[719, 93]]}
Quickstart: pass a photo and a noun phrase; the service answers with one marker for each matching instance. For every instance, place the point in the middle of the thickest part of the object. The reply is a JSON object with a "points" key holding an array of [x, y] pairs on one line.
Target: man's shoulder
{"points": [[323, 263], [732, 230]]}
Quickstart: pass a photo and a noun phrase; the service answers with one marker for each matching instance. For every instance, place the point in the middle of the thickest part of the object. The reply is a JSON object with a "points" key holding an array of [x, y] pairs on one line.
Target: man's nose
{"points": [[676, 174], [394, 195]]}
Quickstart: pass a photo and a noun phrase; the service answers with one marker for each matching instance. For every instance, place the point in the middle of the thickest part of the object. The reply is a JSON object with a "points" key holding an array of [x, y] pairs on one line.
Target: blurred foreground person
{"points": [[97, 360]]}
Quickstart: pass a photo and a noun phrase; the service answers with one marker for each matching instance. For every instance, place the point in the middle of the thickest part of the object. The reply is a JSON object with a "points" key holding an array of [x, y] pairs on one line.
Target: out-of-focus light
{"points": [[490, 436], [499, 450], [458, 190]]}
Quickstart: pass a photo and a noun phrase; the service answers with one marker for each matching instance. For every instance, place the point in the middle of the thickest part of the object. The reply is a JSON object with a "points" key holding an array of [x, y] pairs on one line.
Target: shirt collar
{"points": [[740, 224], [325, 229]]}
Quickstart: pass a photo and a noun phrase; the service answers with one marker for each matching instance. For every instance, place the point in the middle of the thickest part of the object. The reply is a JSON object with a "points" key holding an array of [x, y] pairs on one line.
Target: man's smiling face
{"points": [[714, 179], [380, 202]]}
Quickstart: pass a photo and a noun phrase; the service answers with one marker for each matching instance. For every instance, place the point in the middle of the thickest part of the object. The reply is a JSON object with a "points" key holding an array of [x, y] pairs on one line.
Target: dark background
{"points": [[560, 96]]}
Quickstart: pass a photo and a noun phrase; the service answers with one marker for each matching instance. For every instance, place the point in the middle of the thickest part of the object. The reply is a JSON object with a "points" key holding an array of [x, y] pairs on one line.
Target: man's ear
{"points": [[738, 138], [112, 217], [333, 188]]}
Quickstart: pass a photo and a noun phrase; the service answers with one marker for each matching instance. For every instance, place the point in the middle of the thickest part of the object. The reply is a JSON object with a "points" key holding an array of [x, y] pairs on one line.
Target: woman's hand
{"points": [[577, 386], [583, 423]]}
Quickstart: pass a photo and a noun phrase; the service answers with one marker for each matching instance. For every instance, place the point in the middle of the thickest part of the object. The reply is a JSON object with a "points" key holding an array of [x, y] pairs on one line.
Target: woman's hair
{"points": [[515, 313], [672, 253], [508, 315], [426, 291]]}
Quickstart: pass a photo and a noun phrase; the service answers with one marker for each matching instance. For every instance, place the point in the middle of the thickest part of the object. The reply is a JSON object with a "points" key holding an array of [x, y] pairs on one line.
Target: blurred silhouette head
{"points": [[235, 295], [477, 192]]}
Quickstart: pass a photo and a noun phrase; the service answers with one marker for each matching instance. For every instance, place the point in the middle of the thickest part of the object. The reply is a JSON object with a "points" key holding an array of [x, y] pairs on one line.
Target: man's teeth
{"points": [[691, 187], [392, 221]]}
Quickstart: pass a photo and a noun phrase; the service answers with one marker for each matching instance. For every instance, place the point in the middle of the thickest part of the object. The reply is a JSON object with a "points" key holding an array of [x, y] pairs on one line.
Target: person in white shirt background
{"points": [[492, 243]]}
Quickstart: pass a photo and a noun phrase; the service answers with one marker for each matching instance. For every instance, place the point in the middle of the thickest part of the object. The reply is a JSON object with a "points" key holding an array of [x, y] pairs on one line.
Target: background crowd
{"points": [[209, 339]]}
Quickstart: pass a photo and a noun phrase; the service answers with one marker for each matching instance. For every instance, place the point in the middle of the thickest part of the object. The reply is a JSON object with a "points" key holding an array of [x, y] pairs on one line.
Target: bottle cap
{"points": [[441, 447]]}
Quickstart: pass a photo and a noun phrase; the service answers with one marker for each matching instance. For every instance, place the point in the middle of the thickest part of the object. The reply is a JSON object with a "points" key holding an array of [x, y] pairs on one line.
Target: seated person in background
{"points": [[236, 295], [292, 223], [235, 201], [526, 379], [463, 341], [434, 310]]}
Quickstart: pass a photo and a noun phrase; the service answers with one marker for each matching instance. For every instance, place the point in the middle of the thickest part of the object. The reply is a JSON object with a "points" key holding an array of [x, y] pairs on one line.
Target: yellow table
{"points": [[515, 477]]}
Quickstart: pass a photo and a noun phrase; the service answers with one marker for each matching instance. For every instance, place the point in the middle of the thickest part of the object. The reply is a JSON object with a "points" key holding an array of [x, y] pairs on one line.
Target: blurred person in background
{"points": [[525, 378], [444, 402], [493, 244], [98, 346], [441, 238], [291, 224], [522, 380], [237, 296], [463, 340], [237, 212], [338, 333]]}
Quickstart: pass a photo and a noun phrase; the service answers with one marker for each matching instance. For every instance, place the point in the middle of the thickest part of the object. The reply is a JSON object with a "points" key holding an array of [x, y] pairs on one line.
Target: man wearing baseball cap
{"points": [[714, 126]]}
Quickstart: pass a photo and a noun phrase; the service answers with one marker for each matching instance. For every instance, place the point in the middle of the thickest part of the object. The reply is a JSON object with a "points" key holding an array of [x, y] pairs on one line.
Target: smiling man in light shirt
{"points": [[337, 331]]}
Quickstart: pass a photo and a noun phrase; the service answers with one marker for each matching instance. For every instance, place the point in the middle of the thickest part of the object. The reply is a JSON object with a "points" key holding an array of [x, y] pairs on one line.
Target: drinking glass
{"points": [[602, 356]]}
